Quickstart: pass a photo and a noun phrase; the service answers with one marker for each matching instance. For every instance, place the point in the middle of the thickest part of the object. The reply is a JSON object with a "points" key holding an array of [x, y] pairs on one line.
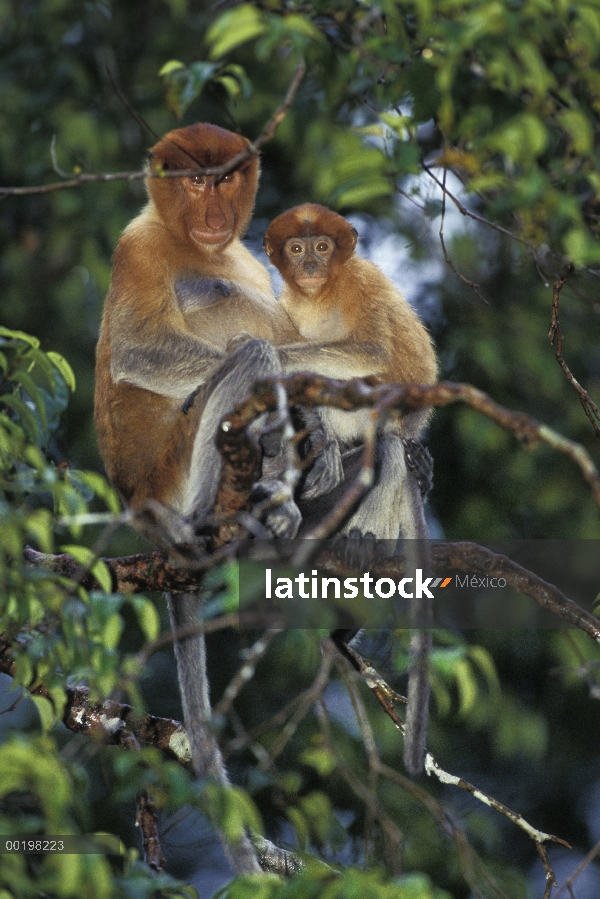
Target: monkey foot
{"points": [[274, 506], [360, 551]]}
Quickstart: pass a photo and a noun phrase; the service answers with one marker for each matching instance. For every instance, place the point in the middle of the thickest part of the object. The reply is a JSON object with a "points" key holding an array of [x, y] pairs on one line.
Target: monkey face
{"points": [[308, 260], [210, 208], [201, 210], [308, 244]]}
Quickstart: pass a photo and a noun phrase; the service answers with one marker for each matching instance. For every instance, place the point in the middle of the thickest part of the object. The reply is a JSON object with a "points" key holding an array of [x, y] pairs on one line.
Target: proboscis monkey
{"points": [[357, 324], [183, 287]]}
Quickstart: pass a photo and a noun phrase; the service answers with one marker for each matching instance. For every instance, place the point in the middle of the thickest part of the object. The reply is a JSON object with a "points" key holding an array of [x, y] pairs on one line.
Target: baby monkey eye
{"points": [[197, 179], [227, 178], [296, 248], [322, 246]]}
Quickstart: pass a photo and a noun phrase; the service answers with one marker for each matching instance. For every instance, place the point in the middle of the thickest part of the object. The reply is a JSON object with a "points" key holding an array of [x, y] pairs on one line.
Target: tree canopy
{"points": [[462, 139]]}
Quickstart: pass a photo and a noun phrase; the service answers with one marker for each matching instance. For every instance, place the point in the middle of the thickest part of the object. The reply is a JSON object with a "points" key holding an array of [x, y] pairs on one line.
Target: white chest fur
{"points": [[316, 324]]}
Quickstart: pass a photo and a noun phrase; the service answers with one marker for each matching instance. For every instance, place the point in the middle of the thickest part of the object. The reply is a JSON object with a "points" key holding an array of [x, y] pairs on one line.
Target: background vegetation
{"points": [[505, 98]]}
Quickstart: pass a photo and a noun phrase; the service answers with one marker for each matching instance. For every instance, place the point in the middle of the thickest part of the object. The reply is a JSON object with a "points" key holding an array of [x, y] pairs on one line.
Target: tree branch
{"points": [[218, 171], [463, 556], [556, 339]]}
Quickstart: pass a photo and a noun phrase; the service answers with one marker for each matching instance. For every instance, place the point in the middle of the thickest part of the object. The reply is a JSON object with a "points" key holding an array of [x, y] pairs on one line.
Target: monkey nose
{"points": [[214, 218], [310, 267]]}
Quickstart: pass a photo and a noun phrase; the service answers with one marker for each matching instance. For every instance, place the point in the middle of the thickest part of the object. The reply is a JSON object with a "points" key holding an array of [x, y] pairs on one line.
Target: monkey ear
{"points": [[267, 247], [155, 164], [354, 238]]}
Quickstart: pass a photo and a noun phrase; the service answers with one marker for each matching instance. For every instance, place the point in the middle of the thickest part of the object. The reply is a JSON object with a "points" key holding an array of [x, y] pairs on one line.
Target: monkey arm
{"points": [[173, 366], [345, 358]]}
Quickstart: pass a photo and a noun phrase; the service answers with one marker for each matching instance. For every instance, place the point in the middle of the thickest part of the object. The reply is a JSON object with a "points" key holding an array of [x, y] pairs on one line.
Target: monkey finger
{"points": [[325, 473]]}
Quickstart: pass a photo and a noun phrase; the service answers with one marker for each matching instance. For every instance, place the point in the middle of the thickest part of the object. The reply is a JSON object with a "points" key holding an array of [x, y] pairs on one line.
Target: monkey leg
{"points": [[254, 359], [393, 506], [419, 460]]}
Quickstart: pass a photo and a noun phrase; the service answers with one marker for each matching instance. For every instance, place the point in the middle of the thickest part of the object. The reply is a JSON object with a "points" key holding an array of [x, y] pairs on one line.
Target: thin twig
{"points": [[218, 171], [392, 834], [584, 863], [472, 284], [146, 817], [556, 339], [304, 701], [245, 672], [464, 210], [386, 697]]}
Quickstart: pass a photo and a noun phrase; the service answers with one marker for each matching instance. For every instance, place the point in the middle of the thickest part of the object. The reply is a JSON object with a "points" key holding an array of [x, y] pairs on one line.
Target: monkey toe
{"points": [[271, 444], [355, 549], [362, 551]]}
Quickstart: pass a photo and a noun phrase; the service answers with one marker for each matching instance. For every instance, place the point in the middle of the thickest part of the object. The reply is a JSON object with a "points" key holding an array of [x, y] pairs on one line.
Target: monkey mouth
{"points": [[210, 237], [311, 282]]}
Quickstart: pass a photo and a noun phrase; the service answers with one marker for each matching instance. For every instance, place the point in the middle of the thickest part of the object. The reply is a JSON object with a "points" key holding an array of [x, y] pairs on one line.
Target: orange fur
{"points": [[357, 322], [155, 348]]}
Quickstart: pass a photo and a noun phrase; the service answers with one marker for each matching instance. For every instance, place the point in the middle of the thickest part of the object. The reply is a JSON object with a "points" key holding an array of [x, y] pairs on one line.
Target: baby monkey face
{"points": [[309, 260]]}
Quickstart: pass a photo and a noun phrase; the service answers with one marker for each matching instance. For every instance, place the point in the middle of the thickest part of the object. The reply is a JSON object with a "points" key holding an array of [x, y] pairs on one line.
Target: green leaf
{"points": [[111, 633], [24, 379], [148, 617], [359, 193], [100, 487], [39, 527], [23, 671], [467, 686], [81, 554], [319, 758], [172, 66], [28, 419], [45, 711], [301, 25], [64, 368], [19, 335], [235, 27], [579, 128], [102, 573], [581, 247], [522, 139]]}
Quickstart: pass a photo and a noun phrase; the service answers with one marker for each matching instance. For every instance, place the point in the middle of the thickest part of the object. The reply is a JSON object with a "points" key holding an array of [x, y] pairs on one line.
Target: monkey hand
{"points": [[274, 506], [326, 472], [238, 341]]}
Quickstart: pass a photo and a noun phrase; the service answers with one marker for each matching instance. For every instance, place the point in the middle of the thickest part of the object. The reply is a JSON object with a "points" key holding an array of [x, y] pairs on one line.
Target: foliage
{"points": [[504, 99]]}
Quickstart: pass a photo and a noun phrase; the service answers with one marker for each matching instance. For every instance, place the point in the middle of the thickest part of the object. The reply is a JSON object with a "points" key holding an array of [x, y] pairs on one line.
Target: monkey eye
{"points": [[197, 179], [227, 178], [296, 248], [322, 246]]}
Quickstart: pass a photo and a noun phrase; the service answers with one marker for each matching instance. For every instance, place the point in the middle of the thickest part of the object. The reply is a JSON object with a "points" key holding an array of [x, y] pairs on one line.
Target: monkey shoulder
{"points": [[245, 269], [144, 262]]}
